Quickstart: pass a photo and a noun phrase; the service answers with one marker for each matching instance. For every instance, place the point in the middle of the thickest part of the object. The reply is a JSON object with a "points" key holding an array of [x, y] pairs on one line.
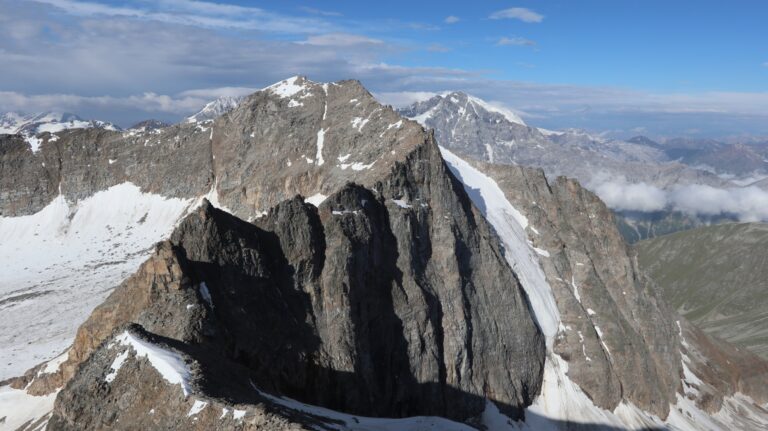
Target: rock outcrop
{"points": [[332, 307]]}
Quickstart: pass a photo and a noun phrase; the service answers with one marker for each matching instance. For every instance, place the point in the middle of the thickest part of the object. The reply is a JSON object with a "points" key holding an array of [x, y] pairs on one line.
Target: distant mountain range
{"points": [[740, 160], [215, 109], [644, 181]]}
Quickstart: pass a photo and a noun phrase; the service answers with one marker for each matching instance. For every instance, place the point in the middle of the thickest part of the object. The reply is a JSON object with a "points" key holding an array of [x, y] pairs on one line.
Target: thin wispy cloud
{"points": [[320, 12], [519, 13], [340, 39], [198, 14], [515, 41], [451, 19]]}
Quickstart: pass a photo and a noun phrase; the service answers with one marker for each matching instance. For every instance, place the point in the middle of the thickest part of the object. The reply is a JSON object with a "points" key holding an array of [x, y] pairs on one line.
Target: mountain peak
{"points": [[215, 109], [463, 105], [644, 140]]}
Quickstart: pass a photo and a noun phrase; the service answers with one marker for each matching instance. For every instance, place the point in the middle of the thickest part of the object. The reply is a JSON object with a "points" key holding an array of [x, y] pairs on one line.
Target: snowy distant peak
{"points": [[462, 104], [216, 109], [30, 125], [52, 122], [496, 108]]}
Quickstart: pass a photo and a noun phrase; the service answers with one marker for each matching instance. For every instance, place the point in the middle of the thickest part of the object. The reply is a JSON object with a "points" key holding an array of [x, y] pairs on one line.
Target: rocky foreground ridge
{"points": [[343, 270]]}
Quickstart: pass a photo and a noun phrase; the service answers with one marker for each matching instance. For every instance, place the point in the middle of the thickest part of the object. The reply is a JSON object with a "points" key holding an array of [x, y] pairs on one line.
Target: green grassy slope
{"points": [[716, 276]]}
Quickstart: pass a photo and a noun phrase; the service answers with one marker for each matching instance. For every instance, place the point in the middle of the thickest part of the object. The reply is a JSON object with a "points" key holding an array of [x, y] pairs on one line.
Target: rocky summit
{"points": [[310, 259]]}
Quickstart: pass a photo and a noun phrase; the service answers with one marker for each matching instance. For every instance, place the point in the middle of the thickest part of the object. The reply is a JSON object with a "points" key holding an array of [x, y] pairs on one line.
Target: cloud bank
{"points": [[747, 204]]}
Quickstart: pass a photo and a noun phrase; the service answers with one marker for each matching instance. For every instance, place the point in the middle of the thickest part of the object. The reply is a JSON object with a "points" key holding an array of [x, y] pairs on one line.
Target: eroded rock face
{"points": [[296, 137], [174, 162], [620, 339], [392, 301]]}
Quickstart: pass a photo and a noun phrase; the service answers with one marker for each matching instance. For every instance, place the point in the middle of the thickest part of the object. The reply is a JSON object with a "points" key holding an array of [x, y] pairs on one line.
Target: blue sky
{"points": [[662, 68]]}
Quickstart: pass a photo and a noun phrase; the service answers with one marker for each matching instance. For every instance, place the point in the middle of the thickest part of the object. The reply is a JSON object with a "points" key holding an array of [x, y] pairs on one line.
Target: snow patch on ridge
{"points": [[286, 88], [316, 199], [508, 114], [169, 364], [348, 421], [17, 407], [510, 225]]}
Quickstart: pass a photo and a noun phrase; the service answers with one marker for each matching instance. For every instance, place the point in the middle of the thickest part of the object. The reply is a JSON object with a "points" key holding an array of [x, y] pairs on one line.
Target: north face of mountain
{"points": [[83, 175], [715, 276], [322, 305]]}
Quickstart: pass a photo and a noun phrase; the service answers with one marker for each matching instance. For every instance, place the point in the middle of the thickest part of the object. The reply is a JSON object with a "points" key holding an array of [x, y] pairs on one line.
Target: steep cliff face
{"points": [[621, 342], [275, 145], [330, 306], [618, 336], [172, 162]]}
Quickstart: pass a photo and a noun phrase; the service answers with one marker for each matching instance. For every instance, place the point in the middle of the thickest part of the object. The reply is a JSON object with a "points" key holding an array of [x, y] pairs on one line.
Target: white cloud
{"points": [[180, 104], [213, 93], [451, 19], [340, 39], [197, 13], [403, 98], [515, 41], [745, 203], [621, 195], [519, 13]]}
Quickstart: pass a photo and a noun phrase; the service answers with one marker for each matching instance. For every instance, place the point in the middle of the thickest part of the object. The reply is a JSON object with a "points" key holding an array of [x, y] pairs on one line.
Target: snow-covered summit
{"points": [[30, 125], [289, 87], [215, 109], [286, 88], [463, 105], [52, 122]]}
